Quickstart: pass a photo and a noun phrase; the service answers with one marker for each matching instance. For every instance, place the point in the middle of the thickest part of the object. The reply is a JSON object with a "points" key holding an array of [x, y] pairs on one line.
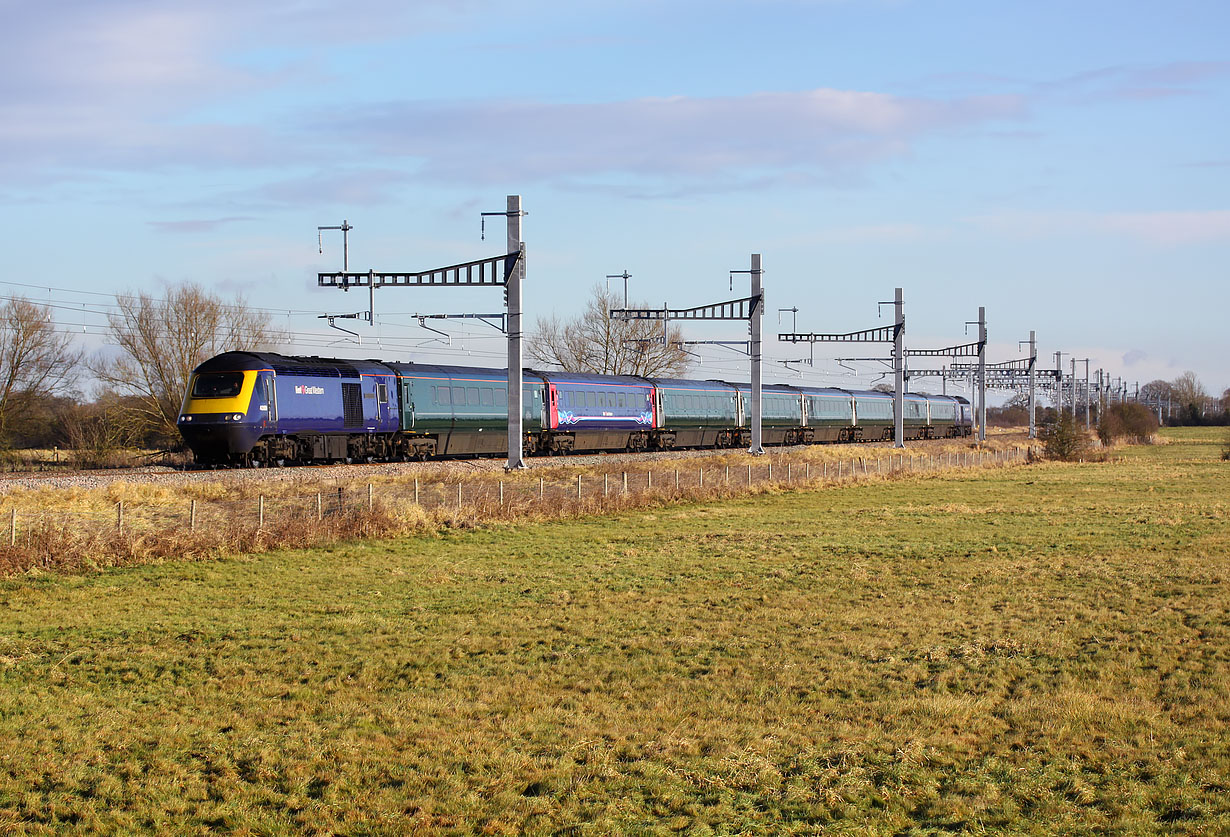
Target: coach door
{"points": [[270, 394]]}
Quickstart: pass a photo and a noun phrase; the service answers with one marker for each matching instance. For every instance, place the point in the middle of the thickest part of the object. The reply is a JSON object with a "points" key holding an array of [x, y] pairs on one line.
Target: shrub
{"points": [[1064, 438], [1134, 422]]}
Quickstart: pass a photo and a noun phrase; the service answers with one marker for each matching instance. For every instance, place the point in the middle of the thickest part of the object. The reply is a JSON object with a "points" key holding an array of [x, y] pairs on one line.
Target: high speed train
{"points": [[259, 408]]}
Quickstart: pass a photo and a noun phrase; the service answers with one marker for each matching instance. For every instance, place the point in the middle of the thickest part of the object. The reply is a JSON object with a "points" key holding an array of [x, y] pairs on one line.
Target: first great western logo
{"points": [[302, 389]]}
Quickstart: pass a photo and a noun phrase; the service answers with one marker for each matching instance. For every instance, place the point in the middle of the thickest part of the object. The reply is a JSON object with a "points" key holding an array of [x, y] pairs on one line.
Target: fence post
{"points": [[540, 488], [749, 474], [501, 494], [370, 504], [770, 477], [260, 512], [458, 495], [625, 482], [648, 481], [701, 478], [13, 526], [578, 486], [416, 491], [119, 517], [192, 516], [728, 475], [320, 507], [676, 479]]}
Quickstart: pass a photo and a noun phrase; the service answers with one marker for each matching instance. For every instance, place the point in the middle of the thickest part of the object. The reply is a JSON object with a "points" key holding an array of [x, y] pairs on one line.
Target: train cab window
{"points": [[459, 396], [472, 396], [217, 385], [486, 396], [382, 393]]}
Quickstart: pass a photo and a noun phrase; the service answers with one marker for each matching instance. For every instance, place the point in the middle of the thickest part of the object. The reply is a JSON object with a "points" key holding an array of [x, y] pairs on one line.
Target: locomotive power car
{"points": [[260, 408]]}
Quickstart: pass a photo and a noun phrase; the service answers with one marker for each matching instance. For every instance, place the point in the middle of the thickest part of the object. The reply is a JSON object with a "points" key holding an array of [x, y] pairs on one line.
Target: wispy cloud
{"points": [[1136, 82], [197, 225], [1161, 228], [821, 132]]}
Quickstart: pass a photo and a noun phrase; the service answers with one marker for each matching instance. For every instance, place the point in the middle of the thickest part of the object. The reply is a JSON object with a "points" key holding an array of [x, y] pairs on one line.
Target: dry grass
{"points": [[123, 523]]}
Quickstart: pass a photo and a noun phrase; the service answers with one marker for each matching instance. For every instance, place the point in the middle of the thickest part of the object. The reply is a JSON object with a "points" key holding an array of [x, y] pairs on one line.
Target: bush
{"points": [[1134, 422], [1064, 439]]}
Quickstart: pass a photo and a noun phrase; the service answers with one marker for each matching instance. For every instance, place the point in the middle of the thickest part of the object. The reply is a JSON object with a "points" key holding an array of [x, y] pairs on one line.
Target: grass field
{"points": [[1040, 649]]}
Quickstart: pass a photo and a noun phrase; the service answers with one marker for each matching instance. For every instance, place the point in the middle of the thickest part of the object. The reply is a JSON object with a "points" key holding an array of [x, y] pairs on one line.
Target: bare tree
{"points": [[1156, 391], [36, 360], [593, 342], [160, 341]]}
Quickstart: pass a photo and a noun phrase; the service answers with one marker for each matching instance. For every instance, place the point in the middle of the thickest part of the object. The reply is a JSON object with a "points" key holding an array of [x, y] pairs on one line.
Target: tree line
{"points": [[129, 394], [53, 394]]}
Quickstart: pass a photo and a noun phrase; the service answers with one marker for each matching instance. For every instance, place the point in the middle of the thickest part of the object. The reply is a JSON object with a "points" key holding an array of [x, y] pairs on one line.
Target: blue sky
{"points": [[1064, 165]]}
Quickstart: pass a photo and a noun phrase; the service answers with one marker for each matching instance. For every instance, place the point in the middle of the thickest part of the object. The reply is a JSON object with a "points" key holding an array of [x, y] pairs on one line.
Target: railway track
{"points": [[163, 474]]}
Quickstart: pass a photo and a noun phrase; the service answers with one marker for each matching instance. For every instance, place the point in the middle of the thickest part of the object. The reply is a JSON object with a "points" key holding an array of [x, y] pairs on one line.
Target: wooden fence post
{"points": [[260, 512], [13, 527], [192, 516], [371, 505], [119, 517]]}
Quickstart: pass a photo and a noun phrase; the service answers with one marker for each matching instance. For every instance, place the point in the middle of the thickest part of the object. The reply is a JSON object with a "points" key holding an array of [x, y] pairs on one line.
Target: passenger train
{"points": [[258, 408]]}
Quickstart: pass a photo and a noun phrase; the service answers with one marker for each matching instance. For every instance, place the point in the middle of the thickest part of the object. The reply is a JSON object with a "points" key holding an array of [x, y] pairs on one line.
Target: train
{"points": [[264, 409]]}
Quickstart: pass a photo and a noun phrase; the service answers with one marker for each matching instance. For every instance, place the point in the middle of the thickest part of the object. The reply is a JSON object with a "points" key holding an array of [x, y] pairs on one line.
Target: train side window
{"points": [[622, 400], [442, 397], [382, 393], [472, 396], [459, 396], [486, 396], [501, 396], [591, 399]]}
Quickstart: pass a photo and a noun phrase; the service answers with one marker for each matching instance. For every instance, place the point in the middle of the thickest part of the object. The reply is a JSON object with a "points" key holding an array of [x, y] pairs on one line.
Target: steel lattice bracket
{"points": [[882, 334], [493, 271], [735, 309], [964, 350]]}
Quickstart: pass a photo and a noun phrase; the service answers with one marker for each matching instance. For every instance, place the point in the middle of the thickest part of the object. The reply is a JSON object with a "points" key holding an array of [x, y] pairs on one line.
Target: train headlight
{"points": [[238, 416]]}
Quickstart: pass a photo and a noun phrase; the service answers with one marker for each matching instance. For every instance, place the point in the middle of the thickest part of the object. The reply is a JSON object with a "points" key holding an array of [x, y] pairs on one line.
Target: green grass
{"points": [[1030, 650]]}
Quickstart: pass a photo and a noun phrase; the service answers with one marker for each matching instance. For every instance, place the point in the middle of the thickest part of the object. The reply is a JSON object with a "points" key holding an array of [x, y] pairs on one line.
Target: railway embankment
{"points": [[88, 520]]}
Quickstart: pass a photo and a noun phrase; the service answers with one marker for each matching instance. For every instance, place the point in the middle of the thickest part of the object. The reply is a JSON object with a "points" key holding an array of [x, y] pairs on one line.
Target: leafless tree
{"points": [[593, 342], [35, 359], [1156, 391], [1188, 391], [160, 340]]}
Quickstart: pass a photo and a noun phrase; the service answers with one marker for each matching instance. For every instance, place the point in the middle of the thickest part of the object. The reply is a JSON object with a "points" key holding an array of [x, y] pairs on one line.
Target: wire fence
{"points": [[475, 496]]}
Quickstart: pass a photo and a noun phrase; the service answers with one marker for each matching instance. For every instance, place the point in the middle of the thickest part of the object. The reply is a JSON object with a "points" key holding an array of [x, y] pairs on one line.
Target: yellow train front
{"points": [[227, 408]]}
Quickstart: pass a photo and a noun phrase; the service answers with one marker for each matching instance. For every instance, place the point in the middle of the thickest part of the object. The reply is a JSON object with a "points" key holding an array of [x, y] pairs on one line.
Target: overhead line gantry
{"points": [[505, 271], [749, 308]]}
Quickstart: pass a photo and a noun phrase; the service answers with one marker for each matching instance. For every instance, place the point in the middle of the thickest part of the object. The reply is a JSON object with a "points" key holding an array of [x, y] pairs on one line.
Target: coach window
{"points": [[486, 396], [501, 396], [472, 396], [443, 398], [459, 396]]}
